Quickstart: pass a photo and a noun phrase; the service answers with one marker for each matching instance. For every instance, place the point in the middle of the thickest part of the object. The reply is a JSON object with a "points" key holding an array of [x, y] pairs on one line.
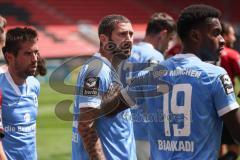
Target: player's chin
{"points": [[124, 54], [220, 50], [32, 72]]}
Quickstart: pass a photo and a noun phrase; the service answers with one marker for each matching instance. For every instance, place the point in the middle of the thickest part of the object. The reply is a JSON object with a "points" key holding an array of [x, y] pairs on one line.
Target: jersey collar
{"points": [[186, 55], [146, 44], [11, 82], [105, 60]]}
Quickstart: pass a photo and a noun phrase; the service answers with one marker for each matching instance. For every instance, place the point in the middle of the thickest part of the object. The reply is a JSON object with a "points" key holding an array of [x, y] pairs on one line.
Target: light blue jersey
{"points": [[185, 115], [19, 113], [116, 132], [143, 55]]}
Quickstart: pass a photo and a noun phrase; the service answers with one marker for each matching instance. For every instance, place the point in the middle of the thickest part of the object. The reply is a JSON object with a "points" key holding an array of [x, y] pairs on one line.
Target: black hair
{"points": [[193, 16], [159, 22], [107, 24], [15, 37]]}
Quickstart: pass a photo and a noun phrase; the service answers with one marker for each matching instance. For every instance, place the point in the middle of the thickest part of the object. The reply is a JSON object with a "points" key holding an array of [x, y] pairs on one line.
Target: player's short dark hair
{"points": [[3, 22], [159, 22], [16, 36], [193, 16], [226, 27], [41, 67], [108, 23]]}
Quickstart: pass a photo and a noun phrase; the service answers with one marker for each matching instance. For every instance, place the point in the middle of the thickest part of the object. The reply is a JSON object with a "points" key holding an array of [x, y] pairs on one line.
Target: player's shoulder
{"points": [[97, 65], [3, 69], [229, 53], [97, 68], [192, 62], [33, 81], [212, 69], [144, 52]]}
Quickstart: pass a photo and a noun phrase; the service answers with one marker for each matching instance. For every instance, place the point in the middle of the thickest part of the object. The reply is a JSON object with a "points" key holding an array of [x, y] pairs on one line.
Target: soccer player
{"points": [[193, 98], [160, 29], [19, 94], [230, 61], [97, 135], [3, 24]]}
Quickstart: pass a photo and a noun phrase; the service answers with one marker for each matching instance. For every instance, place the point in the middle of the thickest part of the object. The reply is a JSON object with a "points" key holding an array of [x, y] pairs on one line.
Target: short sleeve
{"points": [[224, 96], [91, 85]]}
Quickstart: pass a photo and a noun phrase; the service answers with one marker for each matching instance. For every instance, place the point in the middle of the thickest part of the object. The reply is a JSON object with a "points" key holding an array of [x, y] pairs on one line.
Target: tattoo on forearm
{"points": [[90, 138]]}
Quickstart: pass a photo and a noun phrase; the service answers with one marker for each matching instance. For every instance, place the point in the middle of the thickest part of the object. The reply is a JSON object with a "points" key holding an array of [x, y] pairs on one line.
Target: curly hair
{"points": [[193, 16]]}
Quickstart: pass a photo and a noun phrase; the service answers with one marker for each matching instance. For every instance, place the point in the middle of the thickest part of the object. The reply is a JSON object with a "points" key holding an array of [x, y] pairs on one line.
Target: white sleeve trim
{"points": [[127, 98], [228, 108], [90, 105]]}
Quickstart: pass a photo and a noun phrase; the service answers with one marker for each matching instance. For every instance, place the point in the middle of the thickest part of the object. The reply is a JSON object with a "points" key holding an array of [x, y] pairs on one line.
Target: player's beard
{"points": [[122, 54], [121, 51], [25, 71]]}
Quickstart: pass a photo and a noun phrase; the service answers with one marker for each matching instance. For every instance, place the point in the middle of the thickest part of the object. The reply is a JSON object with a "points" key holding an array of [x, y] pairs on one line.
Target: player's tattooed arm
{"points": [[113, 102], [88, 133]]}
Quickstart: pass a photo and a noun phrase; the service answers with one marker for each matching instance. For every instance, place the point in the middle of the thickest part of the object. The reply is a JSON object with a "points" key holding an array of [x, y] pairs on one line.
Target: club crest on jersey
{"points": [[27, 117], [91, 85], [227, 84]]}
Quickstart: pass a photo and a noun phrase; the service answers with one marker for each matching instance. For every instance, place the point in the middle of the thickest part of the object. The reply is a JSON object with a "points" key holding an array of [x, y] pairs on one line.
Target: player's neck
{"points": [[150, 40], [189, 50], [113, 59], [17, 79]]}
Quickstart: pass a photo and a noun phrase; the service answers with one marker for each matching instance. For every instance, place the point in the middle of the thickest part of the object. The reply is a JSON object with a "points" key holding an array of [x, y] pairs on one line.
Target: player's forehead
{"points": [[121, 27], [29, 46], [213, 24]]}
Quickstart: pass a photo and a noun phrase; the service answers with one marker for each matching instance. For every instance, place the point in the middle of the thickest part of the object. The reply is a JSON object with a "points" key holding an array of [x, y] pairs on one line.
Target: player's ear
{"points": [[9, 57], [163, 34], [195, 35], [103, 38]]}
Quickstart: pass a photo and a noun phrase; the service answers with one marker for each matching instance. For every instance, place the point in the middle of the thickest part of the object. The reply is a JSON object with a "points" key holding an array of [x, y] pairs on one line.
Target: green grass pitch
{"points": [[53, 135]]}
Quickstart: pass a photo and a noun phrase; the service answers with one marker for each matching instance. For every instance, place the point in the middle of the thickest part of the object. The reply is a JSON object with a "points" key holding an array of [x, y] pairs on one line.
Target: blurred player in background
{"points": [[41, 67], [19, 94], [3, 24], [175, 47], [230, 58], [97, 135], [160, 29], [230, 61]]}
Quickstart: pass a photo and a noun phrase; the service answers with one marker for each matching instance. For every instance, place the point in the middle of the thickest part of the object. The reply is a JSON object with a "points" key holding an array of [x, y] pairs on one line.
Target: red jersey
{"points": [[230, 61], [177, 48]]}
